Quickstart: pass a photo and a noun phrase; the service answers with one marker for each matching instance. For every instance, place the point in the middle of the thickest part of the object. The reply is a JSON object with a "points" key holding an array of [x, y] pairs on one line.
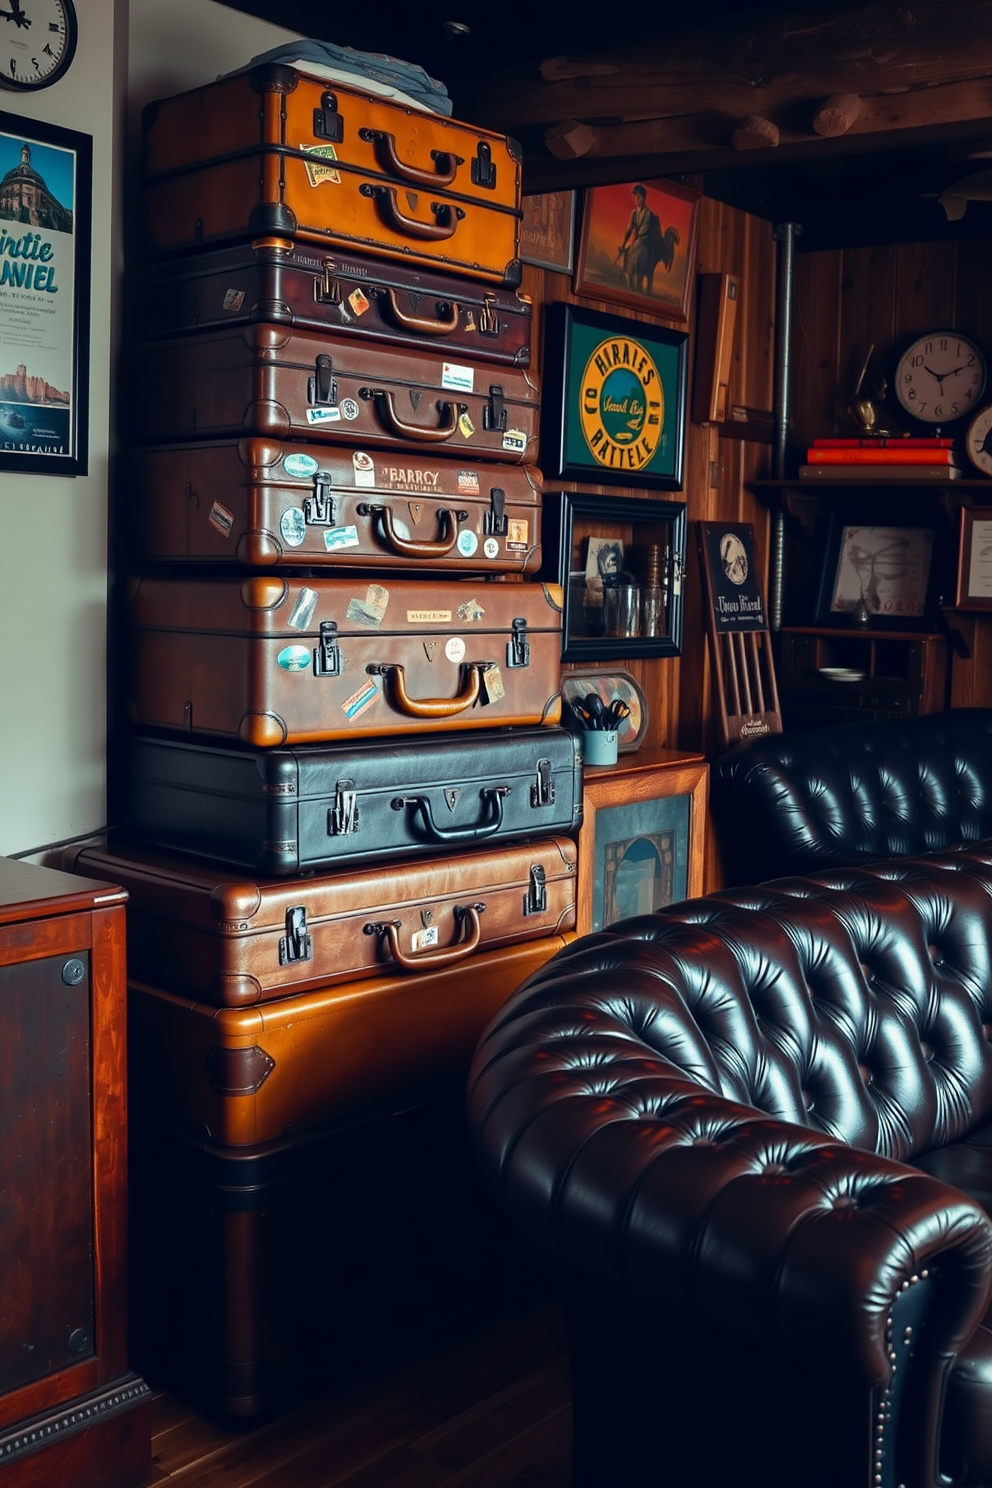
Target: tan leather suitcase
{"points": [[244, 1075], [264, 503], [235, 941], [278, 152], [271, 662], [282, 383]]}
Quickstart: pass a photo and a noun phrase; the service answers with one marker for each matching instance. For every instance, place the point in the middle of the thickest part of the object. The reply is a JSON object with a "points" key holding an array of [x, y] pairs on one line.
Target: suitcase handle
{"points": [[446, 215], [431, 707], [384, 144], [382, 399], [407, 547], [493, 798], [423, 323], [431, 960]]}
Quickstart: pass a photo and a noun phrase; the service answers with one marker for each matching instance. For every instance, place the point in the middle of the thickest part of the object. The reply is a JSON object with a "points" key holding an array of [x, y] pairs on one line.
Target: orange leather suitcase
{"points": [[281, 383], [252, 1074], [272, 662], [278, 152], [237, 941], [265, 503]]}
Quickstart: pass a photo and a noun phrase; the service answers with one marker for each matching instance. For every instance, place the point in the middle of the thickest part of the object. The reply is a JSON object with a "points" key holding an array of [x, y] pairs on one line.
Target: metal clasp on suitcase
{"points": [[518, 646], [483, 167], [318, 509], [322, 388], [327, 653], [536, 897], [496, 522], [327, 122], [542, 793], [296, 944], [494, 413], [343, 817]]}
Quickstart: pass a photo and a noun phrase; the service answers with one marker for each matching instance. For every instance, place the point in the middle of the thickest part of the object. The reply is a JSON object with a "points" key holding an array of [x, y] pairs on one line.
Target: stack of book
{"points": [[882, 457]]}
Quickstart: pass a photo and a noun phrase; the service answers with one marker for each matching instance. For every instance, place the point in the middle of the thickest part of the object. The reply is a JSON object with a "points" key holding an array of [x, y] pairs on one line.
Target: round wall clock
{"points": [[978, 440], [940, 377], [37, 42]]}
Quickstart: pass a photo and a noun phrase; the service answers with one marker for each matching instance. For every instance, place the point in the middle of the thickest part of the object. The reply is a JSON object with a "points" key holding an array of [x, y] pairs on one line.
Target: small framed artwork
{"points": [[617, 414], [637, 246], [974, 585], [610, 684], [642, 839], [45, 206], [878, 575], [547, 231]]}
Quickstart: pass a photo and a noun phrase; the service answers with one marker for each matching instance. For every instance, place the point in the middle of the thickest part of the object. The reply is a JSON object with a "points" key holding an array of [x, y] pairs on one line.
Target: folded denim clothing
{"points": [[405, 82]]}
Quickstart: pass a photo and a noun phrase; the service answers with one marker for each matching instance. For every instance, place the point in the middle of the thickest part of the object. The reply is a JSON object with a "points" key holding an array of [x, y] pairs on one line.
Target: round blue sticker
{"points": [[300, 466], [294, 658]]}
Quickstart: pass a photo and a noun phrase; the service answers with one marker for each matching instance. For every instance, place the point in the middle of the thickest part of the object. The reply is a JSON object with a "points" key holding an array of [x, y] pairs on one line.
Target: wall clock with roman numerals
{"points": [[37, 42], [940, 377]]}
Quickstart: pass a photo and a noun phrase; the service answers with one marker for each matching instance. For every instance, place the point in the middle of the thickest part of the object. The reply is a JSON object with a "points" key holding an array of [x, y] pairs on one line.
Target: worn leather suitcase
{"points": [[263, 503], [236, 942], [284, 282], [289, 811], [282, 383], [277, 152], [253, 1074], [272, 663]]}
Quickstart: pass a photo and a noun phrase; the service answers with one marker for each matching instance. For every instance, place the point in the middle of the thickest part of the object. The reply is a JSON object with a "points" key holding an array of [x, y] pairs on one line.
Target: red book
{"points": [[882, 441], [893, 455]]}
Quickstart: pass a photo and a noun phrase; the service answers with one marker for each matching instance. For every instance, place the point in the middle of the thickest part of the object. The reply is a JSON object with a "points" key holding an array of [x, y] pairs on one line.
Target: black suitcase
{"points": [[287, 283], [286, 811]]}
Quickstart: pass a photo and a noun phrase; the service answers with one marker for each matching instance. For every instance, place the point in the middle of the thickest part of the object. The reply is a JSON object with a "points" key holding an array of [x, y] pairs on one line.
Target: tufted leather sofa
{"points": [[806, 800], [755, 1131]]}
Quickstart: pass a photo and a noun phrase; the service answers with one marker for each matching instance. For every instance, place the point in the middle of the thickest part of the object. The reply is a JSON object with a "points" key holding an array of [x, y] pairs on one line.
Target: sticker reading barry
{"points": [[622, 406]]}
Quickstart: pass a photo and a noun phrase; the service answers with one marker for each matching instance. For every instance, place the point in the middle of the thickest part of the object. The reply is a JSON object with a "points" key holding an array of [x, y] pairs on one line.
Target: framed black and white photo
{"points": [[45, 226], [886, 573]]}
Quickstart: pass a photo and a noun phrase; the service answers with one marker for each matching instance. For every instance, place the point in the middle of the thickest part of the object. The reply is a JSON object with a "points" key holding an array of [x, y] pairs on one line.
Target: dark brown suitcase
{"points": [[278, 152], [287, 283], [236, 942], [281, 383], [262, 503], [271, 663], [253, 1074]]}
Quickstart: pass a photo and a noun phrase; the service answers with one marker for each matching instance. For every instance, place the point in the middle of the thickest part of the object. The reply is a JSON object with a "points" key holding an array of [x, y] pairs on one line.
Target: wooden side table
{"points": [[71, 1412]]}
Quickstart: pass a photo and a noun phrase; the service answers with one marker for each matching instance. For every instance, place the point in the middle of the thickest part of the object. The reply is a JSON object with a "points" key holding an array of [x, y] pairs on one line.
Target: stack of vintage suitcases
{"points": [[351, 805]]}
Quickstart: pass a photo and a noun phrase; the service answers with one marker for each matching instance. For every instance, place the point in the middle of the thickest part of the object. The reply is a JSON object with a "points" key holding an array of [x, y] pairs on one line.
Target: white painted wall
{"points": [[53, 529]]}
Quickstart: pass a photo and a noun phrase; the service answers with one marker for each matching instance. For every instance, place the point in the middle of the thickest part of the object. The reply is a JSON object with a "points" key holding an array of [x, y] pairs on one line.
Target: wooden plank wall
{"points": [[849, 299], [728, 241]]}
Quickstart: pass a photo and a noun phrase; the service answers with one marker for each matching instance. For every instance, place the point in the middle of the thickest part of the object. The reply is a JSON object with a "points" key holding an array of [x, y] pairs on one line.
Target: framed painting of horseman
{"points": [[637, 246]]}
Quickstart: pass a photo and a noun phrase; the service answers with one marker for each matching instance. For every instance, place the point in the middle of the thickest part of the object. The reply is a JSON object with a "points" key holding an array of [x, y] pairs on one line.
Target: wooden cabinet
{"points": [[840, 676], [71, 1413]]}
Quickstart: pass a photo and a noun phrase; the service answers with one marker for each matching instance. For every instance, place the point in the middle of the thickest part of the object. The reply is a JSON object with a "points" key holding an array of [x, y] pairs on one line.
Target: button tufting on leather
{"points": [[865, 1073], [807, 1099], [927, 1050], [867, 972], [935, 955]]}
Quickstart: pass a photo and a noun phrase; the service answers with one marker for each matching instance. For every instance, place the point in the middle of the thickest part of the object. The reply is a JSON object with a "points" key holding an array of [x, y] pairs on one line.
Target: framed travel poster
{"points": [[547, 231], [637, 246], [642, 838], [615, 399], [45, 203]]}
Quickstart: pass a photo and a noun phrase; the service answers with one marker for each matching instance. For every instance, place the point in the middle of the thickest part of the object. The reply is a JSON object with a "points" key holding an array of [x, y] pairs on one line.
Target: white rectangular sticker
{"points": [[457, 379], [420, 940], [428, 617], [515, 439], [340, 537], [303, 610], [323, 415]]}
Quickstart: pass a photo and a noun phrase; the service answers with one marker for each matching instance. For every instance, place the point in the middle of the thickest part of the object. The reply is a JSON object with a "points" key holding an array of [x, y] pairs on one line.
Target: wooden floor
{"points": [[490, 1409]]}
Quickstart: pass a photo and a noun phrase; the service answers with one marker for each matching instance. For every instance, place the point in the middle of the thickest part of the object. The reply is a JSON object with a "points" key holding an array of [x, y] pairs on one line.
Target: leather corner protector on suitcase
{"points": [[244, 1075], [271, 663]]}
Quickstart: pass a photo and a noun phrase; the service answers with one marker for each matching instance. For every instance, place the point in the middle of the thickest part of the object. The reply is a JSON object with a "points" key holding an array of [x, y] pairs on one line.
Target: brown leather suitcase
{"points": [[236, 942], [280, 383], [284, 282], [278, 152], [253, 1074], [271, 662], [263, 503]]}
